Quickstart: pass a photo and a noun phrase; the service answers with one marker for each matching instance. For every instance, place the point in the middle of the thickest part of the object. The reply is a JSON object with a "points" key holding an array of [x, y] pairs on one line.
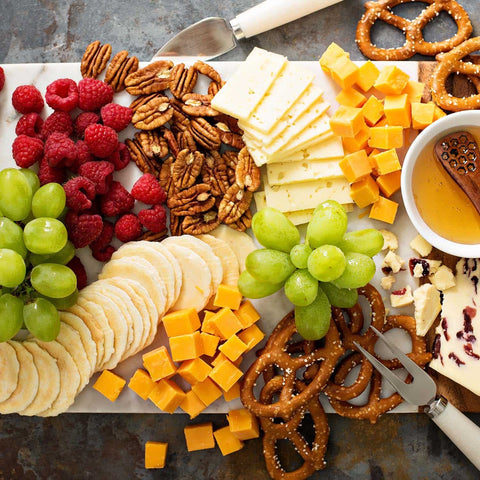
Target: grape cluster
{"points": [[326, 270], [34, 251]]}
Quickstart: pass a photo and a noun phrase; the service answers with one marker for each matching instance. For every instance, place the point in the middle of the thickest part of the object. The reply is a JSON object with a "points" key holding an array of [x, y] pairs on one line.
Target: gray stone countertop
{"points": [[92, 446]]}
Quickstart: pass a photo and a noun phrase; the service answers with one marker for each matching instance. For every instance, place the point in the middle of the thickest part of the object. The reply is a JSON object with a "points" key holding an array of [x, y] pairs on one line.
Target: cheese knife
{"points": [[214, 36]]}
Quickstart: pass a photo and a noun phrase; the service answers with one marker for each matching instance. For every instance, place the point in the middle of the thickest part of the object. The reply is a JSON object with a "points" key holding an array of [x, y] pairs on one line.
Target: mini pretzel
{"points": [[451, 63], [414, 41]]}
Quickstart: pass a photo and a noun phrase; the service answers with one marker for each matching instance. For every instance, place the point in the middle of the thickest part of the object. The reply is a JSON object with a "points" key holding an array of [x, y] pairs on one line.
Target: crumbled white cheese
{"points": [[427, 306], [401, 298], [421, 246], [393, 262], [433, 265], [387, 282], [418, 270], [390, 240], [443, 278]]}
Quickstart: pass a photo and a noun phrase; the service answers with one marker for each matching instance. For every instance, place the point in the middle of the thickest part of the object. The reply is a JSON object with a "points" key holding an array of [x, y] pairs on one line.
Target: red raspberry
{"points": [[27, 151], [93, 94], [83, 229], [102, 141], [83, 156], [48, 174], [60, 150], [103, 254], [105, 237], [116, 116], [120, 157], [100, 173], [62, 95], [76, 265], [57, 122], [30, 124], [2, 78], [80, 192], [128, 228], [154, 219], [147, 189], [83, 120], [27, 99], [116, 201]]}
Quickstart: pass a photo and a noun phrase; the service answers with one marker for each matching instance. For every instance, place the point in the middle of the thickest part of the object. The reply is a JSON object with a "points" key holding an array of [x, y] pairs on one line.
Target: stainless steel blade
{"points": [[206, 39]]}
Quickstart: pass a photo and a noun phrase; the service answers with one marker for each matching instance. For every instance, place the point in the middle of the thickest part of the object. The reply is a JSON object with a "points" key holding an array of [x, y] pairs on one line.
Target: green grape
{"points": [[45, 235], [53, 280], [62, 303], [274, 230], [301, 288], [340, 297], [326, 263], [327, 226], [299, 255], [359, 270], [42, 319], [32, 179], [313, 321], [368, 241], [12, 268], [15, 194], [269, 266], [251, 288], [49, 201], [11, 236], [11, 316], [62, 257], [330, 204]]}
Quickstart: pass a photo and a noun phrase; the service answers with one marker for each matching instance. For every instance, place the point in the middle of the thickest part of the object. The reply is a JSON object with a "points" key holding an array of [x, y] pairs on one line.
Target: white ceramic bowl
{"points": [[449, 124]]}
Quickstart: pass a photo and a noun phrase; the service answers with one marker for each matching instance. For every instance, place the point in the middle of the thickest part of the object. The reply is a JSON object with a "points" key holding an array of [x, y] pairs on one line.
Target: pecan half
{"points": [[95, 59], [243, 223], [172, 142], [230, 158], [205, 134], [228, 124], [179, 119], [197, 105], [153, 114], [247, 174], [165, 178], [153, 144], [183, 80], [193, 200], [207, 70], [154, 237], [143, 99], [187, 168], [201, 223], [140, 158], [233, 139], [119, 68], [214, 173], [155, 77], [176, 225], [185, 140], [234, 204]]}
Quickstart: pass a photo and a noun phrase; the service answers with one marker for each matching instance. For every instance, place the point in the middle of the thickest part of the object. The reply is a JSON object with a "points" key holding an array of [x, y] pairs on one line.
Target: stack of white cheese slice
{"points": [[286, 129]]}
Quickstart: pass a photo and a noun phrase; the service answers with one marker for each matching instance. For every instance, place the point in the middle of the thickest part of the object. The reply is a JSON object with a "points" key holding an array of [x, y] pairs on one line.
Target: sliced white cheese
{"points": [[248, 85], [282, 94]]}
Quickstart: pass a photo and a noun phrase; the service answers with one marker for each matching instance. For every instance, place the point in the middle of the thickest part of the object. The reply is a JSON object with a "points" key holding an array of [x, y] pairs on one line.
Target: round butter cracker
{"points": [[9, 369]]}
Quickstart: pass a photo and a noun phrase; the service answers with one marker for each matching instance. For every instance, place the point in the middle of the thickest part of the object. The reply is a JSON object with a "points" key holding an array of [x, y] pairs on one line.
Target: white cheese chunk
{"points": [[327, 147], [427, 306], [387, 282], [390, 240], [421, 246], [401, 298], [443, 278], [393, 262]]}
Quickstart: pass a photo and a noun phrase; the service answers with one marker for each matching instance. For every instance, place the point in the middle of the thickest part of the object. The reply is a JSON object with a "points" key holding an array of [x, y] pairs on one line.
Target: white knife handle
{"points": [[273, 13], [461, 430]]}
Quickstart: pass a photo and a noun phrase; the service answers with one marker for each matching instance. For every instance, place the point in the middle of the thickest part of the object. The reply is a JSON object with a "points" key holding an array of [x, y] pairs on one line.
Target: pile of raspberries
{"points": [[78, 146]]}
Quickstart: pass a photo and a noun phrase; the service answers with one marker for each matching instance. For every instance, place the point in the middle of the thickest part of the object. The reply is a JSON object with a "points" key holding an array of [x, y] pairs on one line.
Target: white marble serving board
{"points": [[272, 309]]}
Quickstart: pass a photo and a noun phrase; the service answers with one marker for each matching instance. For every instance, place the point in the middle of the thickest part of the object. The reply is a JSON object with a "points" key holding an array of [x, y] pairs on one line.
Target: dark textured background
{"points": [[101, 447]]}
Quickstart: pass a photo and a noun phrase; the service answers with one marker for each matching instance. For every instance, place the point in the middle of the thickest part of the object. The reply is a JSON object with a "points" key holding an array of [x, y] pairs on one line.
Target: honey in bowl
{"points": [[443, 205]]}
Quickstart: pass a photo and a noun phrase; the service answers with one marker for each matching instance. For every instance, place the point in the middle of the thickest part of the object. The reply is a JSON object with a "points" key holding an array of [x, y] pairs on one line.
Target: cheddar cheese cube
{"points": [[109, 385], [141, 383], [358, 142], [355, 166], [167, 395], [382, 122], [233, 393], [422, 115], [227, 441], [209, 343], [243, 424], [384, 209], [247, 314], [251, 336], [199, 437], [226, 323], [386, 162], [386, 137], [367, 75], [391, 80], [233, 348], [347, 121], [372, 111], [439, 113], [186, 347], [374, 152], [194, 371], [225, 374], [389, 183], [364, 192], [331, 55], [414, 90], [351, 98], [192, 405], [228, 296], [397, 110], [155, 454], [207, 391], [344, 72], [207, 325], [221, 357], [181, 322], [159, 363]]}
